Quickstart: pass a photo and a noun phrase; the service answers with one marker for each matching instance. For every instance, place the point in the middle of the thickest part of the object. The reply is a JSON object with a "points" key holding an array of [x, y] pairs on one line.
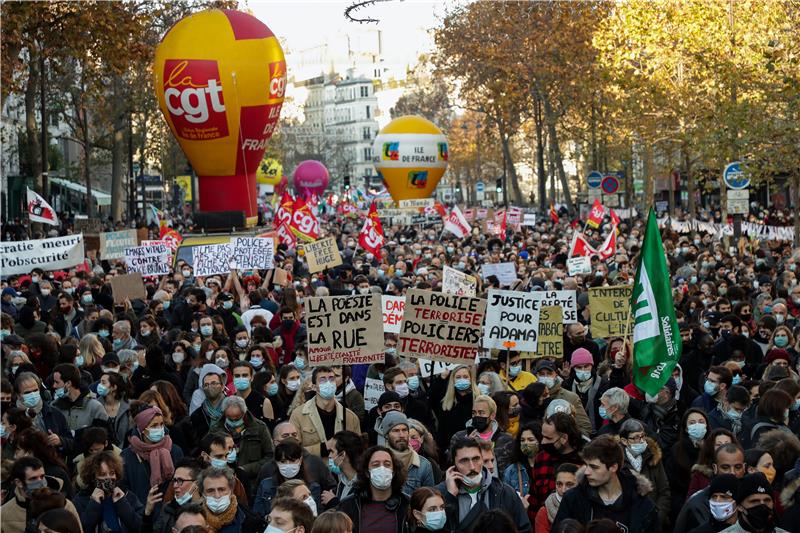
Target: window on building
{"points": [[367, 133], [368, 113], [368, 153], [364, 91]]}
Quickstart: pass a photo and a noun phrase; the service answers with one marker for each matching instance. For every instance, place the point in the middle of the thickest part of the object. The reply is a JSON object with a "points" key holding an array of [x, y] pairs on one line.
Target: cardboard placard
{"points": [[609, 307], [566, 300], [458, 283], [148, 260], [88, 226], [393, 308], [280, 277], [253, 253], [577, 266], [442, 327], [373, 388], [551, 330], [114, 243], [505, 272], [128, 286], [20, 257], [322, 254], [511, 316], [344, 330], [212, 259]]}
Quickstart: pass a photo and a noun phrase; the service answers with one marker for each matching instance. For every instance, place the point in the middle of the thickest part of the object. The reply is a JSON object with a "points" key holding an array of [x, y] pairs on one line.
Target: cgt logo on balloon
{"points": [[193, 96]]}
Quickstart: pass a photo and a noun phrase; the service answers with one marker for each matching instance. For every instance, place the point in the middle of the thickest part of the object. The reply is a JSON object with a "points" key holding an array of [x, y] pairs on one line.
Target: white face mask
{"points": [[289, 470], [381, 477], [293, 384], [721, 511], [311, 505]]}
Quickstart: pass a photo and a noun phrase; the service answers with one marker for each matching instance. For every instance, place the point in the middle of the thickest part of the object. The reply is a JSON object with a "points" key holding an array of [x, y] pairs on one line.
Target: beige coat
{"points": [[13, 514], [312, 434], [581, 418]]}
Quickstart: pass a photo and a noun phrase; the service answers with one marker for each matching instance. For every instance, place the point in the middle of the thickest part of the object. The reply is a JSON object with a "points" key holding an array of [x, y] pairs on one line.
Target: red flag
{"points": [[553, 214], [614, 217], [596, 214], [436, 209], [504, 224], [171, 237], [283, 215], [304, 223], [609, 247], [285, 236], [580, 246], [371, 237]]}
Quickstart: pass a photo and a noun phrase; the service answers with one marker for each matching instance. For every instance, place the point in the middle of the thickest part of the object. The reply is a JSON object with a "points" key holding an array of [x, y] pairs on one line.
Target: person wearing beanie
{"points": [[388, 401], [394, 428], [584, 381], [756, 507], [722, 494], [511, 372]]}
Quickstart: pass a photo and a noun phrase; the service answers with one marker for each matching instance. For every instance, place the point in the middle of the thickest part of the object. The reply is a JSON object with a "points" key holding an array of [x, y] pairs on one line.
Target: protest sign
{"points": [[529, 219], [564, 299], [88, 226], [20, 257], [609, 308], [280, 277], [151, 260], [253, 253], [511, 316], [322, 254], [393, 307], [442, 327], [505, 272], [579, 265], [458, 283], [113, 243], [551, 330], [128, 287], [344, 330], [373, 388], [426, 366], [212, 259]]}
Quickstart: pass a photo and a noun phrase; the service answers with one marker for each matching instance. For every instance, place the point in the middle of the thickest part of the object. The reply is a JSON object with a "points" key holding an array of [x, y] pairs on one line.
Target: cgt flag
{"points": [[371, 236], [39, 210], [656, 339], [456, 224], [596, 215]]}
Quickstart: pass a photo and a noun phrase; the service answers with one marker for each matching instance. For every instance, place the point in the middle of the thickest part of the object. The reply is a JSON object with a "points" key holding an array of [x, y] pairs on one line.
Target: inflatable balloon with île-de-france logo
{"points": [[310, 177], [220, 78], [410, 154]]}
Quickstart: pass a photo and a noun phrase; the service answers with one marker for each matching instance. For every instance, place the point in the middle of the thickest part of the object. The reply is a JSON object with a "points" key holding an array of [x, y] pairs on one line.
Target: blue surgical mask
{"points": [[435, 520], [4, 333], [241, 383], [462, 384], [232, 456], [256, 362], [60, 393], [710, 388], [767, 309], [583, 375], [733, 414], [327, 390], [781, 341], [333, 467], [484, 388], [638, 448], [103, 333], [156, 434], [737, 378], [166, 303], [219, 463], [413, 382], [233, 424], [227, 304], [206, 330], [31, 399], [514, 370], [299, 363], [183, 500], [117, 344], [796, 405], [548, 381], [218, 505], [80, 361], [272, 389], [102, 390], [3, 431], [603, 412], [697, 431], [145, 332]]}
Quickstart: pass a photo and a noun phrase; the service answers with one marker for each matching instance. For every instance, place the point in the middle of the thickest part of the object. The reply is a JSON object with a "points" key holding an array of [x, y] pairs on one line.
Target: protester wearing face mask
{"points": [[519, 473], [643, 456], [73, 400], [427, 511], [561, 443], [715, 387], [378, 497], [511, 363], [250, 436], [121, 336], [290, 465], [586, 384], [721, 504], [184, 493], [483, 426], [45, 417], [575, 337], [323, 411], [290, 331], [728, 414], [451, 397], [414, 406], [26, 476], [103, 505], [223, 510], [566, 478], [756, 507], [547, 373]]}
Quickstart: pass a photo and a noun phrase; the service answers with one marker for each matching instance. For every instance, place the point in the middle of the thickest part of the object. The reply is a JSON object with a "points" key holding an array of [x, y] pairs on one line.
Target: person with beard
{"points": [[192, 302], [419, 473], [763, 333], [584, 381], [471, 491], [718, 381], [561, 443], [574, 338], [608, 490], [695, 362], [547, 374], [66, 316], [660, 414], [211, 383], [483, 426], [756, 507]]}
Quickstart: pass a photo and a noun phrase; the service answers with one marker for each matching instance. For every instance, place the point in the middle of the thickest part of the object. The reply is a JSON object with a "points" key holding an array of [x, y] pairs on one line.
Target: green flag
{"points": [[656, 338]]}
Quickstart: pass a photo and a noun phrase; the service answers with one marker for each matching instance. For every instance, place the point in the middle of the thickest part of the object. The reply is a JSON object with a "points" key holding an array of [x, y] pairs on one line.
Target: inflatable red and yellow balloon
{"points": [[410, 153], [220, 77]]}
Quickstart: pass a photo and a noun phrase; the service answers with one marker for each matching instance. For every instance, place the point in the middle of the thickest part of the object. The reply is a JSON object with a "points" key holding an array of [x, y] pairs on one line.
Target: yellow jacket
{"points": [[522, 380]]}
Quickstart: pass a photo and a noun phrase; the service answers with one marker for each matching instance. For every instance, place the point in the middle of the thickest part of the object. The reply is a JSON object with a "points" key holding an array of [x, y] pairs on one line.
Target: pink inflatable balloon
{"points": [[311, 177]]}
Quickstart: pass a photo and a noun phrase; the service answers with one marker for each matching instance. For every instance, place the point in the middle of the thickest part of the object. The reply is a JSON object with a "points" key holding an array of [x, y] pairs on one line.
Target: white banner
{"points": [[505, 272], [148, 260], [566, 300], [393, 308], [456, 282], [511, 317], [20, 257], [253, 253], [373, 388], [212, 259], [579, 265]]}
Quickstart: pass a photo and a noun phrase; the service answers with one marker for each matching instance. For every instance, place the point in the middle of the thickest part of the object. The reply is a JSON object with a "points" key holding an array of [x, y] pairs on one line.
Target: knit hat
{"points": [[750, 484], [725, 484], [392, 419], [388, 397], [581, 356], [778, 353]]}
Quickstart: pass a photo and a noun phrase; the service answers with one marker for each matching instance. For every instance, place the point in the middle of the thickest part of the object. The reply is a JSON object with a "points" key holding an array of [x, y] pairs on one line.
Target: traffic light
{"points": [[347, 183], [499, 185]]}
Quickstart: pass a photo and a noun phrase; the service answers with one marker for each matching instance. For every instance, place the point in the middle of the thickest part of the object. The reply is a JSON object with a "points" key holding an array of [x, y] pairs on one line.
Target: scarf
{"points": [[407, 458], [551, 506], [636, 462], [347, 388], [157, 454], [214, 413], [218, 521], [583, 386]]}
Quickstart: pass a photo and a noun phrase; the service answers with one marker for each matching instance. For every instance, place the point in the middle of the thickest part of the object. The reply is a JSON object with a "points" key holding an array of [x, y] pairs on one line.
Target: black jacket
{"points": [[495, 495], [351, 506], [634, 509]]}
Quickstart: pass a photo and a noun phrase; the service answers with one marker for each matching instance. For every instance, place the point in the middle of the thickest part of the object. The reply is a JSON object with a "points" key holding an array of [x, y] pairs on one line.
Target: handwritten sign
{"points": [[114, 243], [443, 327], [253, 253], [344, 330], [212, 259], [564, 299], [458, 283], [505, 272], [148, 260], [551, 330], [511, 316], [426, 366], [373, 388], [609, 308], [393, 308], [322, 254], [579, 265], [529, 219]]}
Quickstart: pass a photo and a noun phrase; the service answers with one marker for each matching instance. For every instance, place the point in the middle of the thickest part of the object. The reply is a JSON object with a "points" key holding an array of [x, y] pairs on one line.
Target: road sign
{"points": [[593, 179], [610, 184], [480, 187], [738, 202], [734, 177]]}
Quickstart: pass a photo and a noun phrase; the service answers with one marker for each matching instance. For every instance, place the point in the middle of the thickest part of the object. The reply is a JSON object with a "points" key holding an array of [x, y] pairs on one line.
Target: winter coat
{"points": [[312, 433], [82, 413], [262, 503], [455, 419], [694, 512], [591, 398], [634, 509], [351, 506], [493, 494], [790, 498], [581, 418], [254, 444], [653, 470], [137, 471], [701, 478], [129, 510], [14, 511], [503, 444]]}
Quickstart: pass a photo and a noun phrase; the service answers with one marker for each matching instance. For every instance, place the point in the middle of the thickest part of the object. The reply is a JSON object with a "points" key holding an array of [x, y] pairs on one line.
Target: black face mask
{"points": [[5, 406], [758, 518], [480, 423], [550, 447]]}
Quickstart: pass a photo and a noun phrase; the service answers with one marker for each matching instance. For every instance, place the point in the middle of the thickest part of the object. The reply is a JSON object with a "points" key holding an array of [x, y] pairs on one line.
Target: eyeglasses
{"points": [[180, 481]]}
